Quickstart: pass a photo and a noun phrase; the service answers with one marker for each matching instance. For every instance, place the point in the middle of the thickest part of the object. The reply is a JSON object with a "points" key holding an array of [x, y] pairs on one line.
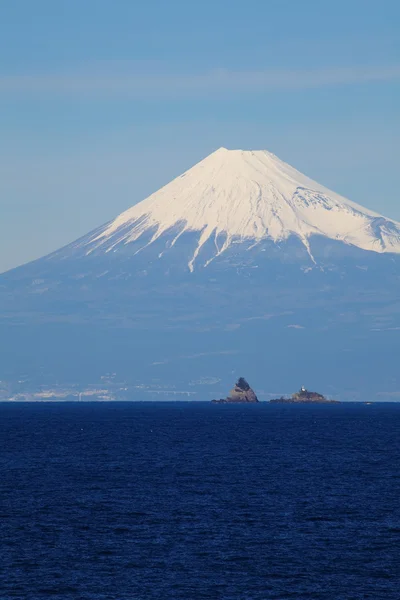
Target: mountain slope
{"points": [[242, 265], [233, 196]]}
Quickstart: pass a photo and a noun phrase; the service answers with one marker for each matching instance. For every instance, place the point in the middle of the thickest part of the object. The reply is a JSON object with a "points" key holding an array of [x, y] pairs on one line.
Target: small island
{"points": [[303, 396], [240, 394]]}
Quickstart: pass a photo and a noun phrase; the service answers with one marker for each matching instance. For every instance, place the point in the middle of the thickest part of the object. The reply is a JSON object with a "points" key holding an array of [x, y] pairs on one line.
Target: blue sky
{"points": [[103, 102]]}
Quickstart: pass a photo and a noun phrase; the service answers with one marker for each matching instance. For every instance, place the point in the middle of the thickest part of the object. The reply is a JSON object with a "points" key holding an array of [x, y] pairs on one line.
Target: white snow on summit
{"points": [[248, 195]]}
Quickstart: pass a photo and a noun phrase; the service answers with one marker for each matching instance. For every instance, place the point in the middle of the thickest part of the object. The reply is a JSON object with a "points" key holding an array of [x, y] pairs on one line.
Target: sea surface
{"points": [[142, 501]]}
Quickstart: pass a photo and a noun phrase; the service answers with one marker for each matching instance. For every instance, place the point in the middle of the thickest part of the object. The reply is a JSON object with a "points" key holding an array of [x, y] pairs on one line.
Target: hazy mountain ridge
{"points": [[269, 287]]}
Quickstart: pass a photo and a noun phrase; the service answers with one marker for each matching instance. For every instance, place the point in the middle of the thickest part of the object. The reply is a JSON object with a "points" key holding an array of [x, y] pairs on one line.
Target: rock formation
{"points": [[241, 393], [303, 396]]}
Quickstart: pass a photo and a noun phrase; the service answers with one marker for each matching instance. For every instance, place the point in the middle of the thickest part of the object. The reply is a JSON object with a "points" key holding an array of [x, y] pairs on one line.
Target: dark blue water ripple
{"points": [[192, 501]]}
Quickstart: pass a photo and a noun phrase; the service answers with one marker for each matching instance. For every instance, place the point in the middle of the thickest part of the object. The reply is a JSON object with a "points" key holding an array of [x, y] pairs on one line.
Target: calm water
{"points": [[191, 501]]}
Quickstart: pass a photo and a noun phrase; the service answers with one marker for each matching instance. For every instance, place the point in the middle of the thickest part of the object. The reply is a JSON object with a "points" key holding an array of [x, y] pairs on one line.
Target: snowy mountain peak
{"points": [[238, 195]]}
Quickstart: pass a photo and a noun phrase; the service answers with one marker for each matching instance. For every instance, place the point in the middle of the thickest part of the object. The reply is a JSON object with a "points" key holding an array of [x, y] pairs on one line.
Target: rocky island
{"points": [[241, 393], [304, 397]]}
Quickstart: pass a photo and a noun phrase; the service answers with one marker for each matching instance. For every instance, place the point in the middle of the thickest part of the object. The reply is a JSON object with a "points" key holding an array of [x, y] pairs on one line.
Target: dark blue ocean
{"points": [[140, 501]]}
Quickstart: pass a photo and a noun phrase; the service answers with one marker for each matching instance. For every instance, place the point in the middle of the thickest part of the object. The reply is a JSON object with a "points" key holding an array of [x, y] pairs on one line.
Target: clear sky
{"points": [[104, 101]]}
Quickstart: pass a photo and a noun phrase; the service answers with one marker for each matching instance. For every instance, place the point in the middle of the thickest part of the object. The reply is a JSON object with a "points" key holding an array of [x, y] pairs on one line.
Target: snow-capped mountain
{"points": [[240, 266], [234, 196]]}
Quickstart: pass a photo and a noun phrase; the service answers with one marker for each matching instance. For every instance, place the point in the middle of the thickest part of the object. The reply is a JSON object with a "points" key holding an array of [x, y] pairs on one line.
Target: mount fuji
{"points": [[241, 265]]}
